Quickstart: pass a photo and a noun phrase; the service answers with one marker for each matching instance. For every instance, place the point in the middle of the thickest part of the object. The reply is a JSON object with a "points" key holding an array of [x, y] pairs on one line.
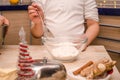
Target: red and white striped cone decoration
{"points": [[25, 61]]}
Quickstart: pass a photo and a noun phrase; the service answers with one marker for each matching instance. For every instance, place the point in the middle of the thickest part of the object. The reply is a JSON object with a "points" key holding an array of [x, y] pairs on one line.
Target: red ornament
{"points": [[24, 63]]}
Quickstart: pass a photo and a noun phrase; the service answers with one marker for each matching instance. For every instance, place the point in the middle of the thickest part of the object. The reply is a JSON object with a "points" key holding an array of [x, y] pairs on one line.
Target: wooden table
{"points": [[9, 57]]}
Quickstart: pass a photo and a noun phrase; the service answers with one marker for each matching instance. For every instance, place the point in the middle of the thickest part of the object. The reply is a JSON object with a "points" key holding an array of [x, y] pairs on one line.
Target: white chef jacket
{"points": [[66, 17]]}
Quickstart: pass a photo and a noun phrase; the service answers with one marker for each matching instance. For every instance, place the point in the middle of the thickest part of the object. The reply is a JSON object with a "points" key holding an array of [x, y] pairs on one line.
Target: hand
{"points": [[34, 12], [84, 47], [83, 40], [4, 23], [3, 20]]}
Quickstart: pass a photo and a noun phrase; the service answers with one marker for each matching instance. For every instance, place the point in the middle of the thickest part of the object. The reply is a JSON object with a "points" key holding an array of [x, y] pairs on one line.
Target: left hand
{"points": [[3, 20]]}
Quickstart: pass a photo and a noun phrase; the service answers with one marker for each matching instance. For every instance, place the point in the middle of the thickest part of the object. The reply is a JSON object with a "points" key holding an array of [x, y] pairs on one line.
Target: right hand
{"points": [[34, 12]]}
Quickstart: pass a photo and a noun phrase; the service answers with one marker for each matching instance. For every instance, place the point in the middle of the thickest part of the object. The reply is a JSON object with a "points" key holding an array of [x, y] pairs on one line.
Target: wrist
{"points": [[36, 23]]}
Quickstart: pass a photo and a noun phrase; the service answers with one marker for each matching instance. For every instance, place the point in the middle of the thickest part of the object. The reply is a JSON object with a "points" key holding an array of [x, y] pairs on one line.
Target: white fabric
{"points": [[66, 17]]}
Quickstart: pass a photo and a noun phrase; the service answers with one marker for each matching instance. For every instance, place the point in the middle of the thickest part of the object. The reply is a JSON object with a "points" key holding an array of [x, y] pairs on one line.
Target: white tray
{"points": [[71, 76]]}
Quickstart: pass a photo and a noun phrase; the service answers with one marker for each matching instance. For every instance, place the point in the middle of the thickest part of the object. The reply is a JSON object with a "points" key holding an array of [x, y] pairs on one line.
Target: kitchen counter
{"points": [[9, 57]]}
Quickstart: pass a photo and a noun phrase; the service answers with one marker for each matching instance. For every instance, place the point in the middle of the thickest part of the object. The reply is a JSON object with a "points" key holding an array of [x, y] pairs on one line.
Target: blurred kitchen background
{"points": [[7, 2], [108, 3], [109, 14]]}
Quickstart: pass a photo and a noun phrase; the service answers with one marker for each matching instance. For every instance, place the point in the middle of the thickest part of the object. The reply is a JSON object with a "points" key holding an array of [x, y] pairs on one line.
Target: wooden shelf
{"points": [[13, 7], [109, 11]]}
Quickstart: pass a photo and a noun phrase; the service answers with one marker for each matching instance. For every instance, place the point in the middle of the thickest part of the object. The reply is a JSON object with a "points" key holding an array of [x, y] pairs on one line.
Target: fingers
{"points": [[6, 21], [34, 10], [39, 8], [1, 20], [83, 47]]}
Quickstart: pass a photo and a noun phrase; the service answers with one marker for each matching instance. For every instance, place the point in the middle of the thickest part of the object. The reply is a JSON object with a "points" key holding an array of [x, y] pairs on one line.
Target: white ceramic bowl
{"points": [[64, 48]]}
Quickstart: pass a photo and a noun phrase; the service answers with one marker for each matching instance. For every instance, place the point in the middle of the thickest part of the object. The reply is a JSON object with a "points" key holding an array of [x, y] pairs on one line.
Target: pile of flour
{"points": [[65, 51]]}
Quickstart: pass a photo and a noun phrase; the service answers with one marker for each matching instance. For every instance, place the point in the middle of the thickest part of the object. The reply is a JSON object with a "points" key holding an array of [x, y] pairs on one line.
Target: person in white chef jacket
{"points": [[65, 17]]}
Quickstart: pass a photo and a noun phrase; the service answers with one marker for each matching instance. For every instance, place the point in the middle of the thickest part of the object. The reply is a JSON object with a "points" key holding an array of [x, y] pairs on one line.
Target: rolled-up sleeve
{"points": [[90, 10]]}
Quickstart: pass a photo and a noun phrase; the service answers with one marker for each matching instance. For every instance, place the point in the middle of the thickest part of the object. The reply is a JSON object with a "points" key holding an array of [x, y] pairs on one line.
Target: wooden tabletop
{"points": [[9, 57]]}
